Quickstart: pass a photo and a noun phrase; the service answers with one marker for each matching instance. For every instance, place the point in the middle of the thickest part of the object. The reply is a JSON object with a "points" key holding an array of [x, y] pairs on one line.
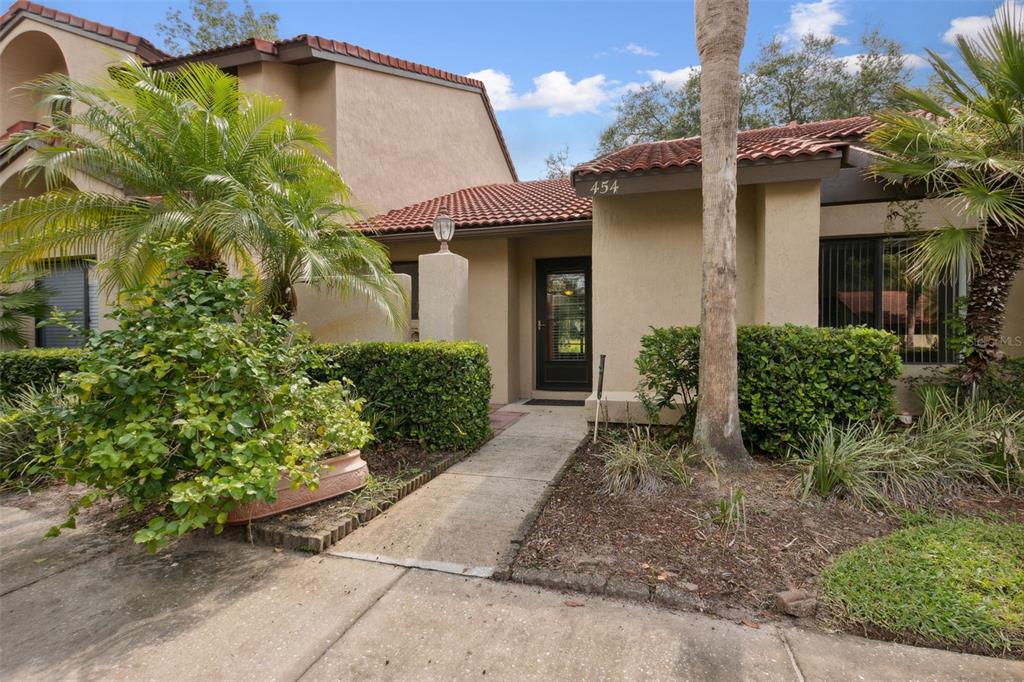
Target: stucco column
{"points": [[786, 286], [444, 296]]}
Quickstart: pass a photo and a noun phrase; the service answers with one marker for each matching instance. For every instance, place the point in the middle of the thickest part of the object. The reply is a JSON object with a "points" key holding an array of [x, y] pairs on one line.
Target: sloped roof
{"points": [[515, 203], [791, 141], [137, 44]]}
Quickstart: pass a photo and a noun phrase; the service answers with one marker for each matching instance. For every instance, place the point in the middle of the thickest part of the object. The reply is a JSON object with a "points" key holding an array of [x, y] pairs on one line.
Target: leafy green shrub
{"points": [[957, 583], [193, 405], [35, 367], [639, 461], [955, 441], [791, 379], [434, 392], [1003, 383]]}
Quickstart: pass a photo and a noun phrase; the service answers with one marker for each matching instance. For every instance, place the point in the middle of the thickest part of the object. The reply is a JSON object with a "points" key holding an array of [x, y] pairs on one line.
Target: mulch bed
{"points": [[671, 538]]}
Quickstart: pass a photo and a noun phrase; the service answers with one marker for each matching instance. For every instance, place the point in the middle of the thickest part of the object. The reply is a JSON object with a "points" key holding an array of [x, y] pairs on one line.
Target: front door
{"points": [[563, 324]]}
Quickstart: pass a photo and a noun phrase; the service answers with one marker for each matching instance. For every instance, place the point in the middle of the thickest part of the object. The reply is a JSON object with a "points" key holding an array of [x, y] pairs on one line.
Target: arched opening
{"points": [[19, 186], [28, 56]]}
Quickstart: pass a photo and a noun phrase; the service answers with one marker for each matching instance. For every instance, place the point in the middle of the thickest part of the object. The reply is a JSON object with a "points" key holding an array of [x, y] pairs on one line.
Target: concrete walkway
{"points": [[463, 521], [212, 610]]}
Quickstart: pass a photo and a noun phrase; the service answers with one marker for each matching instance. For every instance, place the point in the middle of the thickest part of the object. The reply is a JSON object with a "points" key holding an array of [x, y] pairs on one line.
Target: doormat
{"points": [[556, 403]]}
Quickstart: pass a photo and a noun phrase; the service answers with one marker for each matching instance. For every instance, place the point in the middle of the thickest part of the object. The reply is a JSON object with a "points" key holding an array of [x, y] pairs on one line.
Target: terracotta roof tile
{"points": [[139, 45], [793, 140], [515, 203]]}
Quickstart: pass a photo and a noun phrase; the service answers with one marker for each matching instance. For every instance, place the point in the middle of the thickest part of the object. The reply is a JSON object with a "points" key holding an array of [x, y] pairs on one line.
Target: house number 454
{"points": [[605, 187]]}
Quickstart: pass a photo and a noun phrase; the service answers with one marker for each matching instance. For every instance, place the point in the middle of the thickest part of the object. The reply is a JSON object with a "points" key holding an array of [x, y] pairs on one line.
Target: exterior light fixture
{"points": [[444, 228]]}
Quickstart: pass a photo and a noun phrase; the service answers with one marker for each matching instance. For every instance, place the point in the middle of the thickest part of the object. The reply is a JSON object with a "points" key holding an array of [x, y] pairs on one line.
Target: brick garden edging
{"points": [[318, 541]]}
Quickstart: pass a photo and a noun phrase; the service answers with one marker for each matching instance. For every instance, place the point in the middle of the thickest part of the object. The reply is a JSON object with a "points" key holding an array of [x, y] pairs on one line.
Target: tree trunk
{"points": [[721, 30], [1001, 259]]}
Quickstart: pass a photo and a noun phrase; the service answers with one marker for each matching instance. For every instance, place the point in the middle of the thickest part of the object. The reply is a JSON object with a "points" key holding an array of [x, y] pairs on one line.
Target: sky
{"points": [[554, 70]]}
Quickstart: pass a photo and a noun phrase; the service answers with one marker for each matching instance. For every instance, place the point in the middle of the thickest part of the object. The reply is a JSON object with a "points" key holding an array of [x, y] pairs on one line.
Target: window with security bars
{"points": [[864, 282], [73, 292]]}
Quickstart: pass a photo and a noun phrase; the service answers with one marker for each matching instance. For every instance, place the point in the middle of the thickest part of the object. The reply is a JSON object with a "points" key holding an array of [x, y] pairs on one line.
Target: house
{"points": [[562, 271], [559, 271], [399, 132]]}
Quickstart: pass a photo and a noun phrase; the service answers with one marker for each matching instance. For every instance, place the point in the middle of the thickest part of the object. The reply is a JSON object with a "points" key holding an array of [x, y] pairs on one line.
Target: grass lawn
{"points": [[956, 583]]}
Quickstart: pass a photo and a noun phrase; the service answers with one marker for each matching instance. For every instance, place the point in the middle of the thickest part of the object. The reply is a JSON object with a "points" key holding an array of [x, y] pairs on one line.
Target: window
{"points": [[72, 291], [864, 282], [411, 268]]}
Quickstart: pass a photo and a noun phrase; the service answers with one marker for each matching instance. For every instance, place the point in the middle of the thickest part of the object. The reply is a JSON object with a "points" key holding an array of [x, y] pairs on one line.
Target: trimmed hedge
{"points": [[791, 379], [435, 392], [35, 367]]}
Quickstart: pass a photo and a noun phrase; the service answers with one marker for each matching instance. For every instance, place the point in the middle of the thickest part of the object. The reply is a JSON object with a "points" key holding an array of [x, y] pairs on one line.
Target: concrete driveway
{"points": [[84, 607]]}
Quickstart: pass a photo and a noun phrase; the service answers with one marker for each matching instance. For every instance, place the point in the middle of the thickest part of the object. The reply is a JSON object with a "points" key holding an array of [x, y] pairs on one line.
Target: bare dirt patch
{"points": [[673, 537]]}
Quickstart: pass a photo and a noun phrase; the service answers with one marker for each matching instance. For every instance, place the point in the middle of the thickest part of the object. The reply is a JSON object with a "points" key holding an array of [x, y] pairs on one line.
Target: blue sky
{"points": [[555, 69]]}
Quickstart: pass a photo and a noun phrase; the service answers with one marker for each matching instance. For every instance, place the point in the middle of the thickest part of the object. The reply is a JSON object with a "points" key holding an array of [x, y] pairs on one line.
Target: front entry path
{"points": [[464, 520], [209, 610]]}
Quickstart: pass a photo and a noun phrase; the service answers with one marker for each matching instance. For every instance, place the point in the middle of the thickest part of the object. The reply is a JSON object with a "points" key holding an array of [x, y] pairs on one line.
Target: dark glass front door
{"points": [[563, 324]]}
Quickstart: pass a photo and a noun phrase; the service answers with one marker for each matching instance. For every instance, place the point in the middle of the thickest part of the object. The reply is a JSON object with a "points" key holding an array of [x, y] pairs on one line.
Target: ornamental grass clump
{"points": [[194, 405], [638, 461], [957, 441]]}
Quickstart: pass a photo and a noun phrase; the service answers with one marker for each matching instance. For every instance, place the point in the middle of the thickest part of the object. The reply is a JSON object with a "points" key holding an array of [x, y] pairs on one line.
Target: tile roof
{"points": [[137, 44], [326, 45], [516, 203], [791, 141]]}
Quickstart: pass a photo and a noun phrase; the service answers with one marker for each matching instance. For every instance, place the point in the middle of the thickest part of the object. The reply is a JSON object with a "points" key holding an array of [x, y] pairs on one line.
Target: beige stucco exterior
{"points": [[396, 140], [647, 265]]}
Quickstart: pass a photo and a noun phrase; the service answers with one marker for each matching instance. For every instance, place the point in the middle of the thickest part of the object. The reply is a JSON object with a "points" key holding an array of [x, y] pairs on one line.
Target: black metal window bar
{"points": [[864, 281]]}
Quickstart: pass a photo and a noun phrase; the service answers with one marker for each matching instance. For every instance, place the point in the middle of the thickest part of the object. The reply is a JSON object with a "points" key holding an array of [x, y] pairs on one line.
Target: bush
{"points": [[791, 379], [956, 441], [193, 405], [957, 583], [35, 367], [434, 392], [1002, 384]]}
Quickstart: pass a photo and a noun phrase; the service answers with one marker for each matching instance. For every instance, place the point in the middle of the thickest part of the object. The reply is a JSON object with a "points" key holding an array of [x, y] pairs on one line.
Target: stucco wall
{"points": [[334, 318], [402, 140], [81, 58], [647, 270], [867, 219], [786, 288]]}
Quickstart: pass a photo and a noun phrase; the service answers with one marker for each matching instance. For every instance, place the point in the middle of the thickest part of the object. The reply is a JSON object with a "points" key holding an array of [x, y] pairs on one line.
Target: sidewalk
{"points": [[216, 610]]}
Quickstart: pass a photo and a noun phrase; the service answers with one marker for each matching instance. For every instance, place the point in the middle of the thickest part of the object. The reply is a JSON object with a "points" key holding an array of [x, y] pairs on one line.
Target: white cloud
{"points": [[673, 79], [638, 50], [814, 18], [971, 27], [553, 91]]}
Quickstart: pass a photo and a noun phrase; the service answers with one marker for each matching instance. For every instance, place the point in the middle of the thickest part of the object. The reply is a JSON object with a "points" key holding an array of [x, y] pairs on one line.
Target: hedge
{"points": [[434, 392], [35, 367], [791, 379]]}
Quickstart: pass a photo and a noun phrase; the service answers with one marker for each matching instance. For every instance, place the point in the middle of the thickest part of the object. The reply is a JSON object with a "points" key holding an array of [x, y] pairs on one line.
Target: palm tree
{"points": [[20, 307], [200, 162], [721, 31], [967, 144]]}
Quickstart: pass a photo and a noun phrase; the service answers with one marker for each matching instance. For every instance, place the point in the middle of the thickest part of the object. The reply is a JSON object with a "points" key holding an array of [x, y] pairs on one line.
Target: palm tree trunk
{"points": [[1001, 258], [721, 30]]}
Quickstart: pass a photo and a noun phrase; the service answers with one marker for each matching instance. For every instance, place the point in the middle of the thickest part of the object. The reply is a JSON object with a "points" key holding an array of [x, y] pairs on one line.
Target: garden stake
{"points": [[600, 386]]}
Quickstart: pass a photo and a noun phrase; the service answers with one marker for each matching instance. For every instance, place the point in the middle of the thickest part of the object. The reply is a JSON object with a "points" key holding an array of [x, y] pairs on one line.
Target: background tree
{"points": [[227, 172], [721, 31], [556, 164], [969, 148], [806, 84], [213, 24]]}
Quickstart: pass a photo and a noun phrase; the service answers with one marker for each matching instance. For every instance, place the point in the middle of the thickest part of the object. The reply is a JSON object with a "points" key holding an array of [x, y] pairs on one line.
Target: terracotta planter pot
{"points": [[340, 475]]}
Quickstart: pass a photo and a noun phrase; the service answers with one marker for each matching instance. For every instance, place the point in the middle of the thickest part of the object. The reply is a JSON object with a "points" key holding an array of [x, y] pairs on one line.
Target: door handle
{"points": [[540, 325]]}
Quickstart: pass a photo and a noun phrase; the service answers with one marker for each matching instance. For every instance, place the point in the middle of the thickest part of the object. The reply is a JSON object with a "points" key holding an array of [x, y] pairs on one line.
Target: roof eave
{"points": [[760, 171], [488, 230]]}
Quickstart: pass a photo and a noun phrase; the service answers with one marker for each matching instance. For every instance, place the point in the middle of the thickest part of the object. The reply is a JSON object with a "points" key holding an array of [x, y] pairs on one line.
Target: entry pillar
{"points": [[444, 296]]}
